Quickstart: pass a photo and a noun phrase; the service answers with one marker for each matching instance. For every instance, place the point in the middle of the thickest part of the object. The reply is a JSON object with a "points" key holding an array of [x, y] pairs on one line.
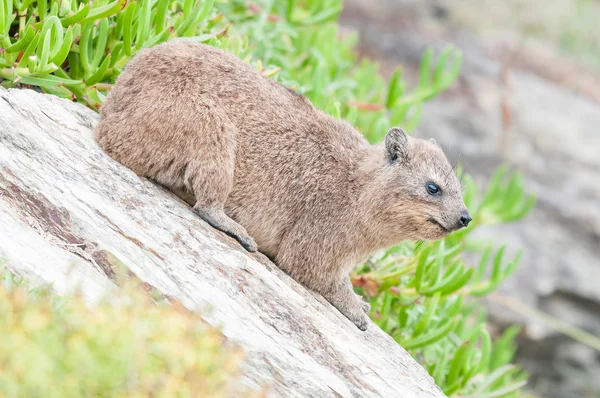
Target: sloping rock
{"points": [[69, 213]]}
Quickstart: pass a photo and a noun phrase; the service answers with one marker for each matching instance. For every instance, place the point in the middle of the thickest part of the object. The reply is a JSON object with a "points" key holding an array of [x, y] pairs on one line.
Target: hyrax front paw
{"points": [[356, 314], [351, 305], [361, 320]]}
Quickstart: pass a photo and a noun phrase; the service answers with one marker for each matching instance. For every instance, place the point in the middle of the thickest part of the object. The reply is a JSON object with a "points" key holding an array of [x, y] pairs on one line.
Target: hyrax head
{"points": [[422, 195]]}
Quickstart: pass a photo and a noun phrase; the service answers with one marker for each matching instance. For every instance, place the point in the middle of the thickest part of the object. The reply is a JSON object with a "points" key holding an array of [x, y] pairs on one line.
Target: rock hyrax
{"points": [[259, 162]]}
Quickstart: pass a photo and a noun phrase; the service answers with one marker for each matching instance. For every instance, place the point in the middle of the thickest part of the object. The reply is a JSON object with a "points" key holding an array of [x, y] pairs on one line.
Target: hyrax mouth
{"points": [[436, 222]]}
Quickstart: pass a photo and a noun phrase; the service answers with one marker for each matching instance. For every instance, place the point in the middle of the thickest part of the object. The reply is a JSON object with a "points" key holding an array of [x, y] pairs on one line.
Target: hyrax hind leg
{"points": [[209, 173]]}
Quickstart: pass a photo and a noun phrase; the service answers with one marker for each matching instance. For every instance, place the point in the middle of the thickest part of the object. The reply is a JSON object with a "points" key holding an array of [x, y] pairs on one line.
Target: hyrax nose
{"points": [[465, 219]]}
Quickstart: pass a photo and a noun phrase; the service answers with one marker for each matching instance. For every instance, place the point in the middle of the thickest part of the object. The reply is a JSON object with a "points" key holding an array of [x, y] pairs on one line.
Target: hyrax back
{"points": [[259, 162]]}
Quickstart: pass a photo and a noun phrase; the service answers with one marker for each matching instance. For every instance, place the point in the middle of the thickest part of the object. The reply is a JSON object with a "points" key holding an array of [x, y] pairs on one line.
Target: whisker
{"points": [[457, 160], [454, 165], [463, 181]]}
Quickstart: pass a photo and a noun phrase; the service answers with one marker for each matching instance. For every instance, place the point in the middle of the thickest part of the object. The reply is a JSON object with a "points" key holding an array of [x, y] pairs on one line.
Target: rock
{"points": [[69, 213], [525, 106]]}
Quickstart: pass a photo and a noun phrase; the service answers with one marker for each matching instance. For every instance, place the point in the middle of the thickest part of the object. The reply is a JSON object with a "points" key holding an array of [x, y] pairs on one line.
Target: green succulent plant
{"points": [[75, 49]]}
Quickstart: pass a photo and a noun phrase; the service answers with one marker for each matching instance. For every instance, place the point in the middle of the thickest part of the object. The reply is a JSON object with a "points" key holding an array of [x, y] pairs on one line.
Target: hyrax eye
{"points": [[433, 189]]}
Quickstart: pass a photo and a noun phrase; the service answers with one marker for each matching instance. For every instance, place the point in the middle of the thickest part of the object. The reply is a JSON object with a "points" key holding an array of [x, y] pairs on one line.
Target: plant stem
{"points": [[22, 20], [104, 86], [9, 73], [560, 326]]}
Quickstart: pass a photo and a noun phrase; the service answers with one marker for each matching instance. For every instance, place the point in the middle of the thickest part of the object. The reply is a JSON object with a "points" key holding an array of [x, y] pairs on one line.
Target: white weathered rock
{"points": [[66, 208]]}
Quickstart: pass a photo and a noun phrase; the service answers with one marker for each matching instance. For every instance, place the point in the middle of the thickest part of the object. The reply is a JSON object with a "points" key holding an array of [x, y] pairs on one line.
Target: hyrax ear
{"points": [[434, 142], [396, 143]]}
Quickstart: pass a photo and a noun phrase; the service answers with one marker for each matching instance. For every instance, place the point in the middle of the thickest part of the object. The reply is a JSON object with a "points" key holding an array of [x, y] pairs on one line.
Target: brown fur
{"points": [[257, 160]]}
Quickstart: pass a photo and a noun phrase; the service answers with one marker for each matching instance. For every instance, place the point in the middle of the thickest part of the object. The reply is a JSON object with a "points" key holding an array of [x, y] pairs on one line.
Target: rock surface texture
{"points": [[68, 213], [520, 103]]}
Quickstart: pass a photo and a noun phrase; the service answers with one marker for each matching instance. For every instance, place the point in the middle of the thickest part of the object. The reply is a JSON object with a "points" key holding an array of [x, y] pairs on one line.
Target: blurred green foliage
{"points": [[128, 346], [578, 33], [422, 294]]}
